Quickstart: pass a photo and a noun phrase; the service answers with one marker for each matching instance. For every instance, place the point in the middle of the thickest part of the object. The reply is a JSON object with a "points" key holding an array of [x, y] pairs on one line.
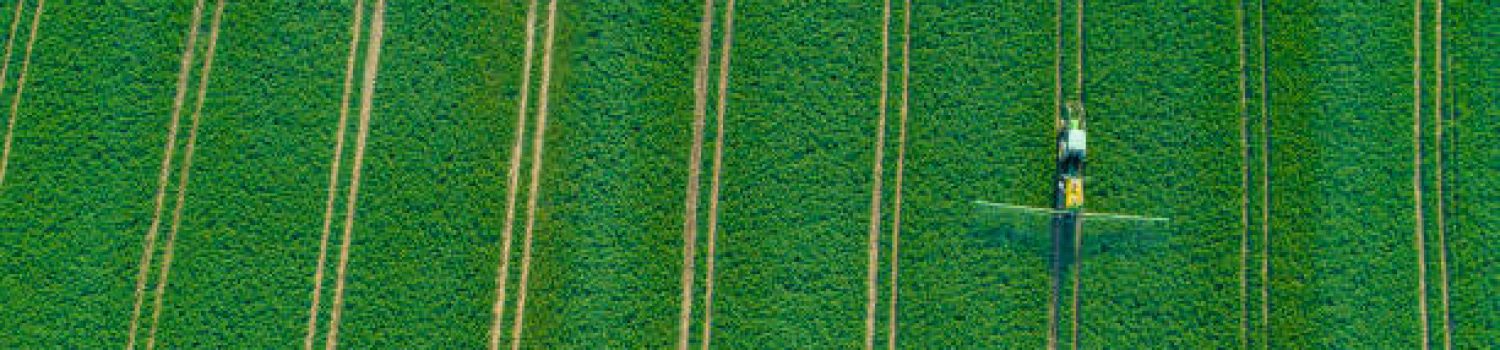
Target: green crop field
{"points": [[401, 174]]}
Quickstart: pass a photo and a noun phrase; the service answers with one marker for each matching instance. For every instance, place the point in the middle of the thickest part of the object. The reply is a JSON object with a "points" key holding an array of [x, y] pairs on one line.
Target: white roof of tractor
{"points": [[1076, 140]]}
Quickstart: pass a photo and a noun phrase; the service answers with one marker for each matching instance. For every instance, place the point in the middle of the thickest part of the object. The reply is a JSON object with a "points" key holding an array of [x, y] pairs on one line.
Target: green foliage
{"points": [[980, 128], [78, 194], [1473, 169], [1162, 81], [1344, 266], [795, 209], [608, 253], [254, 208], [431, 204], [1163, 112]]}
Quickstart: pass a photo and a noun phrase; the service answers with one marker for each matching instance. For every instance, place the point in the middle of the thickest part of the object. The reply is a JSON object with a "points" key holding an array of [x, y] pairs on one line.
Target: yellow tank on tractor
{"points": [[1073, 194]]}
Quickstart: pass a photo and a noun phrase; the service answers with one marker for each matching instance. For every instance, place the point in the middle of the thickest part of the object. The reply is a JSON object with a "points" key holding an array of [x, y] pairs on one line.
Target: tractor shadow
{"points": [[1126, 239], [1032, 234]]}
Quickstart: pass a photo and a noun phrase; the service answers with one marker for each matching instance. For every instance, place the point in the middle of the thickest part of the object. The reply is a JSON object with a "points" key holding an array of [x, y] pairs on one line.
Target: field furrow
{"points": [[251, 220], [1344, 265], [1472, 169], [980, 129], [795, 206], [426, 235], [608, 253], [1161, 86], [77, 198]]}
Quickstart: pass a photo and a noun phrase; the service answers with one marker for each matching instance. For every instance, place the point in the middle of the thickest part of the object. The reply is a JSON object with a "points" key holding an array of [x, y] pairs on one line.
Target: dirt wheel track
{"points": [[877, 170], [1442, 234], [333, 175], [182, 178], [713, 192], [513, 175], [538, 141], [1265, 193], [900, 169], [1419, 239], [10, 125], [366, 104], [695, 168], [149, 247]]}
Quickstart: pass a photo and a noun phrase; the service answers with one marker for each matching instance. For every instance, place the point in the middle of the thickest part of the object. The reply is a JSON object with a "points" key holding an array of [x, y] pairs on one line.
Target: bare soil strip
{"points": [[1079, 58], [1078, 223], [182, 177], [695, 163], [1244, 111], [333, 175], [1077, 279], [1442, 229], [502, 275], [366, 104], [1057, 101], [148, 249], [10, 126], [1416, 174], [713, 192], [538, 140], [871, 276], [900, 168], [1265, 170]]}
